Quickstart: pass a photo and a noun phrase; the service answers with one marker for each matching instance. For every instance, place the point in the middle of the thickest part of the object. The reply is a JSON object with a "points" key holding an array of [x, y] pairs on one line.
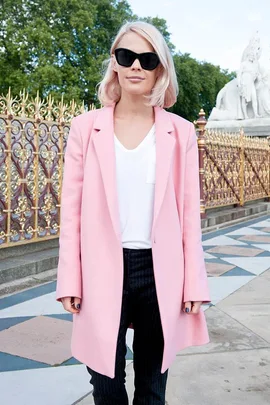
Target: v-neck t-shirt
{"points": [[135, 174]]}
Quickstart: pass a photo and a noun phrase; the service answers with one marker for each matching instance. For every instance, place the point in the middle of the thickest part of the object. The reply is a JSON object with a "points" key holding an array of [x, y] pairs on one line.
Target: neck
{"points": [[130, 106]]}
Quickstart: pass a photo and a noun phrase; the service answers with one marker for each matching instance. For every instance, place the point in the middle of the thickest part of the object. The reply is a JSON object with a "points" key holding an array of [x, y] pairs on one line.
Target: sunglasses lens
{"points": [[124, 57], [149, 61]]}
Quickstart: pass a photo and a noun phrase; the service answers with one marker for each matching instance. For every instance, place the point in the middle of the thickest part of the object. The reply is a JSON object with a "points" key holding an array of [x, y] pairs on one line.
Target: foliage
{"points": [[199, 84], [58, 46]]}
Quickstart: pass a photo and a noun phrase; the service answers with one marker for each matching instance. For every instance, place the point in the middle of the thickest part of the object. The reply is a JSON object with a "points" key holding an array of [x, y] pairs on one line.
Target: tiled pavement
{"points": [[36, 366]]}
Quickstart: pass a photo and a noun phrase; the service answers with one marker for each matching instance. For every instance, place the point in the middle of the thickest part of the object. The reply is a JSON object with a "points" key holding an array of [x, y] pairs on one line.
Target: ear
{"points": [[114, 64]]}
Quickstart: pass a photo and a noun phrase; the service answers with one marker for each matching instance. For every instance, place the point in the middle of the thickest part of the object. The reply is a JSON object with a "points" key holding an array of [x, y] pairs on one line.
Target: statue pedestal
{"points": [[252, 126]]}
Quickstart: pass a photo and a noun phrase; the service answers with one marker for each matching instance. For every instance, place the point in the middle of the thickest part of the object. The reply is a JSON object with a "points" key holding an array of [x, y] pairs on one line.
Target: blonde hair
{"points": [[165, 91]]}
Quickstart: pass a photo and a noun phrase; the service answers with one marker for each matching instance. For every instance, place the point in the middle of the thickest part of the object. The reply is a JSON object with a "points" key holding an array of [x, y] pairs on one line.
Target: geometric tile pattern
{"points": [[261, 224], [208, 256], [221, 287], [8, 322], [265, 246], [222, 240], [44, 386], [235, 250], [35, 330], [256, 265], [256, 238], [34, 307], [216, 269], [246, 231], [237, 271], [43, 339]]}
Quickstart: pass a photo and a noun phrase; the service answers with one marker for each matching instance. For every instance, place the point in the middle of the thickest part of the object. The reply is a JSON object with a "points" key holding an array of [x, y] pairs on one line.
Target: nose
{"points": [[136, 64]]}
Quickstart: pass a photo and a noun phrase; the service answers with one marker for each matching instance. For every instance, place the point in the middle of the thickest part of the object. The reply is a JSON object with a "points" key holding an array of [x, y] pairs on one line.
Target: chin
{"points": [[136, 92]]}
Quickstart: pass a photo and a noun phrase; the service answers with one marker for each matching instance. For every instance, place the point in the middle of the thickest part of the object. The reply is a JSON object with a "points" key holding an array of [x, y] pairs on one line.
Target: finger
{"points": [[69, 305], [187, 307], [195, 308], [77, 303]]}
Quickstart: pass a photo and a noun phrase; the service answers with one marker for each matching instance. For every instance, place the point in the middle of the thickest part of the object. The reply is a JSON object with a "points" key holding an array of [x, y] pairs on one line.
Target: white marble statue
{"points": [[248, 75], [263, 93], [248, 95]]}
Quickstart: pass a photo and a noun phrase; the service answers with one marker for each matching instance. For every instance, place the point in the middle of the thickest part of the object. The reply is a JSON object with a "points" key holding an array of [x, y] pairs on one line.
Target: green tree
{"points": [[57, 46], [199, 84], [161, 25]]}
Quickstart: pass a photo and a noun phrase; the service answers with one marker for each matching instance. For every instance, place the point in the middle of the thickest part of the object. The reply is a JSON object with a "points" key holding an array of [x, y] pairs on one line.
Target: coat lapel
{"points": [[103, 139], [164, 151]]}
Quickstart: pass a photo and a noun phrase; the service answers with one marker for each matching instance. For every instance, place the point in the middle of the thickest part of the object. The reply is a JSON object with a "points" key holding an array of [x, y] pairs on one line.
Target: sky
{"points": [[211, 30]]}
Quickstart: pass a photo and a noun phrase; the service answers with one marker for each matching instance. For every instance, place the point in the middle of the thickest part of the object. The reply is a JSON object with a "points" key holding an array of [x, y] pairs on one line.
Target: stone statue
{"points": [[248, 74], [247, 96], [263, 93]]}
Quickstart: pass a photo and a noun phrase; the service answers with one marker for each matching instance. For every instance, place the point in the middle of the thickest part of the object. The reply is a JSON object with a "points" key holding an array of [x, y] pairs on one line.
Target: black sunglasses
{"points": [[125, 57]]}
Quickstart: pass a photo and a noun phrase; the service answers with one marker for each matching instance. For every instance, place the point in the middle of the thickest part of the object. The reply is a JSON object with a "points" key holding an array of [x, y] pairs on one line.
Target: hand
{"points": [[192, 306], [70, 304]]}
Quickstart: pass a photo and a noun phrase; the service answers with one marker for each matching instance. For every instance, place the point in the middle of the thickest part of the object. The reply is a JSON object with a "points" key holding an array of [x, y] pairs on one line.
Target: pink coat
{"points": [[90, 256]]}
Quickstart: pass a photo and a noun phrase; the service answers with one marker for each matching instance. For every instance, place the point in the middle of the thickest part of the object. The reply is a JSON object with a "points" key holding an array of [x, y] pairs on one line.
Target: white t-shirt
{"points": [[135, 171]]}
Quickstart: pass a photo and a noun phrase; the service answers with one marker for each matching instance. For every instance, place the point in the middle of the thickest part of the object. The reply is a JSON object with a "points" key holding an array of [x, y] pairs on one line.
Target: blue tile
{"points": [[237, 271], [27, 295], [205, 248], [64, 317], [232, 228], [265, 253], [70, 362], [73, 361], [129, 355], [236, 237], [221, 255], [8, 362], [216, 260], [250, 243], [6, 323]]}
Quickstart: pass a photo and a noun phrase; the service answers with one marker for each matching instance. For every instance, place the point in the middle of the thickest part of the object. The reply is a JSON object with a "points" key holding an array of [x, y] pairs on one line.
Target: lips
{"points": [[135, 78]]}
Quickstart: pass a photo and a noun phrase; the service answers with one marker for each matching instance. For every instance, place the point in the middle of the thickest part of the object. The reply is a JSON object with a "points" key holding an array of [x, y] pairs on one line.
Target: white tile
{"points": [[262, 224], [61, 385], [43, 305], [222, 241], [221, 287], [208, 256], [247, 231], [129, 338], [263, 246], [256, 265], [44, 386]]}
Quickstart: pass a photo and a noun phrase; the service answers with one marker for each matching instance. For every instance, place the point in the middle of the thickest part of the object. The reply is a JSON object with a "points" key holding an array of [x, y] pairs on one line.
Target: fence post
{"points": [[242, 169], [201, 124]]}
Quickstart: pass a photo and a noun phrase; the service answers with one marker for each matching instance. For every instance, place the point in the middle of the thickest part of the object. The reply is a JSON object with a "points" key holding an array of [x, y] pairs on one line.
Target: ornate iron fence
{"points": [[33, 136], [234, 168]]}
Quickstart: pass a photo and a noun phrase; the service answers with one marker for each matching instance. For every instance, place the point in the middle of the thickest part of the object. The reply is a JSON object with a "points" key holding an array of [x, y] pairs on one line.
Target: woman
{"points": [[130, 241]]}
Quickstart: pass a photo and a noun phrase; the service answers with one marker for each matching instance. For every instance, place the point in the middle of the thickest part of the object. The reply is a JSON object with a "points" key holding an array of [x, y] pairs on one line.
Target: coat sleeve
{"points": [[69, 264], [196, 283]]}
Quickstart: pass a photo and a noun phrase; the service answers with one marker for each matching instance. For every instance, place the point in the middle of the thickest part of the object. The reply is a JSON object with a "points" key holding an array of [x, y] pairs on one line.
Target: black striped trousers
{"points": [[139, 307]]}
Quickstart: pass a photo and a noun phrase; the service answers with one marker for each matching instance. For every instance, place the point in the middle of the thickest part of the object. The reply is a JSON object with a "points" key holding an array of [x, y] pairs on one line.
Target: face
{"points": [[135, 80]]}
